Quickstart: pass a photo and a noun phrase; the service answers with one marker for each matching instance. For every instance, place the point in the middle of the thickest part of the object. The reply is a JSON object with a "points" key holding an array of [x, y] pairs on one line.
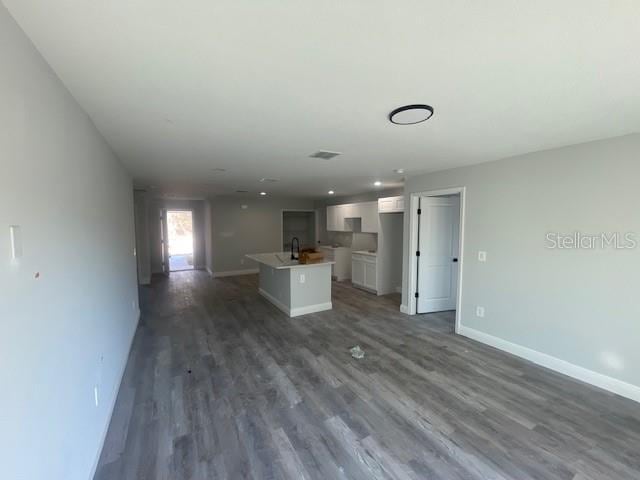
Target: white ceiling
{"points": [[180, 88]]}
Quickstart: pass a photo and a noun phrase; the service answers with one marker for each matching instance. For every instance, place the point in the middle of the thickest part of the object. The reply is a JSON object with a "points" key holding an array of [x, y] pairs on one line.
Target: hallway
{"points": [[221, 384]]}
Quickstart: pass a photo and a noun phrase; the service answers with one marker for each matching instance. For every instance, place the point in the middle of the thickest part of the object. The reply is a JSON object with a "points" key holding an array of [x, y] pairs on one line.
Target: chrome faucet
{"points": [[294, 257]]}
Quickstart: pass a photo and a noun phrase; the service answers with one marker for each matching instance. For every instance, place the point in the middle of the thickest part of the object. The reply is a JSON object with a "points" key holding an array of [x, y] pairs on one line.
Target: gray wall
{"points": [[197, 206], [208, 236], [256, 229], [580, 306], [70, 329], [390, 243], [143, 256], [301, 225]]}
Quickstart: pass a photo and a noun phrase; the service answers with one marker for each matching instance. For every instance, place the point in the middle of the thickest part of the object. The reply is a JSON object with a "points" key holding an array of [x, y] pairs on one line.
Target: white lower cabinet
{"points": [[357, 272], [370, 279], [364, 272]]}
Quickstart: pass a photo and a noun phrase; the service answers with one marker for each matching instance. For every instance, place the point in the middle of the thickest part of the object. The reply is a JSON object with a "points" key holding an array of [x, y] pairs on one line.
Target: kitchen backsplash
{"points": [[356, 241]]}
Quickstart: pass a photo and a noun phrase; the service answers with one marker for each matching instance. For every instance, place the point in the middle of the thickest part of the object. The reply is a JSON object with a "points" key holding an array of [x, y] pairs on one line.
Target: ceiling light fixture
{"points": [[411, 114], [377, 183], [263, 193], [268, 180], [218, 170], [399, 170], [242, 191], [325, 154], [331, 192]]}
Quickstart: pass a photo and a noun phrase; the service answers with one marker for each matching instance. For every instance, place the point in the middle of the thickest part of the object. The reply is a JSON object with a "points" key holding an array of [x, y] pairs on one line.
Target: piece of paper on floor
{"points": [[357, 352]]}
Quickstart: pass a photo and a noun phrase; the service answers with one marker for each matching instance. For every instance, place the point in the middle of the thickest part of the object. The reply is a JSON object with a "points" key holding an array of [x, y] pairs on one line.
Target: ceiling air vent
{"points": [[324, 154]]}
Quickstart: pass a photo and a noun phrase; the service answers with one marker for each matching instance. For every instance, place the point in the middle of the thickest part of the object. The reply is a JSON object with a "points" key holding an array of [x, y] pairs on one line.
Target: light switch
{"points": [[482, 256], [16, 241], [302, 278], [480, 312]]}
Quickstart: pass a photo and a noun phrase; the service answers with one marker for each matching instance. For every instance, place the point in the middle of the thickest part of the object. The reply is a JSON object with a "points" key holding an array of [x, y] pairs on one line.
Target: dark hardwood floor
{"points": [[221, 384]]}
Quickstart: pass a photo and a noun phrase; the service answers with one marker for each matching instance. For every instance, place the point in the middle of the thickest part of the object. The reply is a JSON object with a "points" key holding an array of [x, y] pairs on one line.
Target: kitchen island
{"points": [[296, 289]]}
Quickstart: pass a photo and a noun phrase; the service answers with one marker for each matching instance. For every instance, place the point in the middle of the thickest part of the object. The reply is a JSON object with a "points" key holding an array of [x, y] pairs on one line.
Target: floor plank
{"points": [[221, 384]]}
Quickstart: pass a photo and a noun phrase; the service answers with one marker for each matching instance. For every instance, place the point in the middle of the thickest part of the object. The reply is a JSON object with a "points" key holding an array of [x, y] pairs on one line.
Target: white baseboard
{"points": [[233, 273], [320, 307], [605, 382], [404, 309], [296, 312], [114, 398]]}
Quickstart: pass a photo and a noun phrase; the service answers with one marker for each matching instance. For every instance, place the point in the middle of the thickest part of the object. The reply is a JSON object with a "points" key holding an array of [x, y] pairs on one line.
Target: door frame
{"points": [[307, 210], [413, 247], [164, 242], [193, 236]]}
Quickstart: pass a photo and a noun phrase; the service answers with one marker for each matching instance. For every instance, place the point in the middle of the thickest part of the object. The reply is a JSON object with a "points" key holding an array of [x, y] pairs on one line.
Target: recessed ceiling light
{"points": [[377, 183], [263, 193], [268, 180], [411, 114], [219, 170], [331, 192], [399, 170], [242, 191]]}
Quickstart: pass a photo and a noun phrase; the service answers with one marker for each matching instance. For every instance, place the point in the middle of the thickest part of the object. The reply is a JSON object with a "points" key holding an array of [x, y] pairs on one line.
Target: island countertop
{"points": [[282, 260]]}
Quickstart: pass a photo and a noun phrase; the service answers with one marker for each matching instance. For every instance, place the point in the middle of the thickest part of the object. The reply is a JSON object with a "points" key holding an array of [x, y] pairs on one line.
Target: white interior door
{"points": [[438, 244]]}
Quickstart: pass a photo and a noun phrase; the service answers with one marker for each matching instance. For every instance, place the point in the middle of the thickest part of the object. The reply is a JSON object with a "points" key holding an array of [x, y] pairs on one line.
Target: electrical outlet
{"points": [[302, 278], [480, 312], [482, 256]]}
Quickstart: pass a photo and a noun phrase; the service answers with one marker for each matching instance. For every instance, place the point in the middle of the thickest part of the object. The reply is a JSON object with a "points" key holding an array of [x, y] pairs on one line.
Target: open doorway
{"points": [[180, 239], [435, 267], [300, 224]]}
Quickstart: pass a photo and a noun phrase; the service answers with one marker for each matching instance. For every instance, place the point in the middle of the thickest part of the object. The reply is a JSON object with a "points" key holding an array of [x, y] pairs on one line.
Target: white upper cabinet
{"points": [[333, 224], [336, 215], [344, 218], [349, 210], [391, 204], [369, 216]]}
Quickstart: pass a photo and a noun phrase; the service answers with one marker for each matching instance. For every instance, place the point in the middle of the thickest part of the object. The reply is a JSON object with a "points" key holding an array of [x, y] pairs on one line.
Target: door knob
{"points": [[455, 260]]}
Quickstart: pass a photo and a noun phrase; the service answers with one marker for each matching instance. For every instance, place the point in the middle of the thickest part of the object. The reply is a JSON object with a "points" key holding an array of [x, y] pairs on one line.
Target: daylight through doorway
{"points": [[180, 236]]}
